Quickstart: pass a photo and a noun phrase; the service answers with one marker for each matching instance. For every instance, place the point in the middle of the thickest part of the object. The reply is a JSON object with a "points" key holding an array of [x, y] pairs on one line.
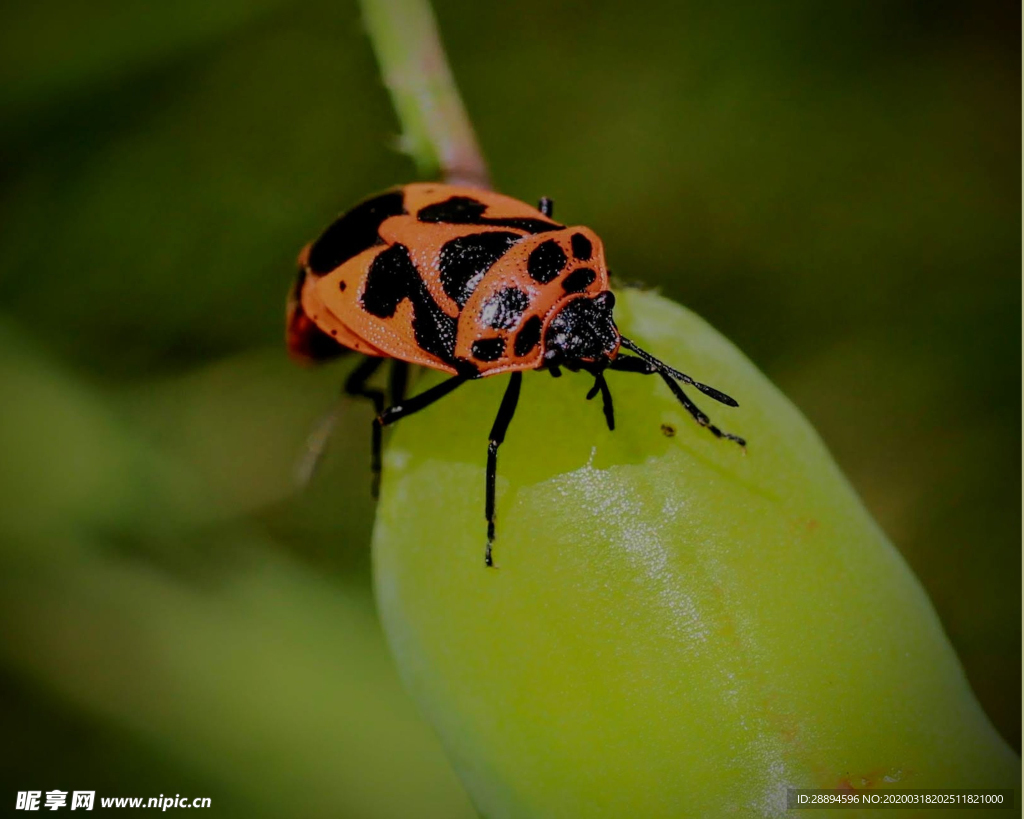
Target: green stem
{"points": [[436, 130]]}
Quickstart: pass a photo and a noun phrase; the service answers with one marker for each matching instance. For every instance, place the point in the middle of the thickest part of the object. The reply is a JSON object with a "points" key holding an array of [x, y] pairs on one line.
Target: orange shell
{"points": [[448, 277]]}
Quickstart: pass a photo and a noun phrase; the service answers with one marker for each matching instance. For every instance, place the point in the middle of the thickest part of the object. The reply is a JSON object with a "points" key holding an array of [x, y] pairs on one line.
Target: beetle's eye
{"points": [[605, 299]]}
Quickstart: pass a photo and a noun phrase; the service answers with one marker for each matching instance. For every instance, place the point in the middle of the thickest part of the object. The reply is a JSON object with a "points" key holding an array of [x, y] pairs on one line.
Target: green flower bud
{"points": [[675, 626]]}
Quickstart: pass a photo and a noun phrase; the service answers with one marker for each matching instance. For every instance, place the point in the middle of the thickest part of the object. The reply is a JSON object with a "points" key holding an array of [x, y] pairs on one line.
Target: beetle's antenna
{"points": [[646, 364], [711, 392]]}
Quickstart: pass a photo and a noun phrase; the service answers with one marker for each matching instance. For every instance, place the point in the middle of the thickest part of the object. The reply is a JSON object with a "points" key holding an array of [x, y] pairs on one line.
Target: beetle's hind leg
{"points": [[356, 386], [403, 408], [398, 380], [627, 363], [498, 430], [316, 444], [501, 422]]}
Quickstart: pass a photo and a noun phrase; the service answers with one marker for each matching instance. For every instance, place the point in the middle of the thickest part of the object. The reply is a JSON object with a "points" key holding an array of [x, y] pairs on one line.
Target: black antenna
{"points": [[661, 366]]}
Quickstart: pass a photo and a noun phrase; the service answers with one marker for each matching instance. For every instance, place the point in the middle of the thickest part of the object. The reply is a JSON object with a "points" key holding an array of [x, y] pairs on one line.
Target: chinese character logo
{"points": [[83, 799]]}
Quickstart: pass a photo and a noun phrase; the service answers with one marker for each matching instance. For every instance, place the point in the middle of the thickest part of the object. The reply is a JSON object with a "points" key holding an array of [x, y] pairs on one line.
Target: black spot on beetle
{"points": [[464, 261], [342, 286], [458, 210], [466, 368], [579, 280], [528, 337], [581, 247], [391, 279], [353, 232], [464, 210], [503, 310], [546, 261], [488, 349], [388, 281]]}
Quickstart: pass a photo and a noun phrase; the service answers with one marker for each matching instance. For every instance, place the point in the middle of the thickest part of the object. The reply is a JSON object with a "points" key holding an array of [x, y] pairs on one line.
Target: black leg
{"points": [[398, 411], [601, 385], [398, 381], [316, 444], [355, 385], [546, 206], [418, 402], [629, 364], [501, 422]]}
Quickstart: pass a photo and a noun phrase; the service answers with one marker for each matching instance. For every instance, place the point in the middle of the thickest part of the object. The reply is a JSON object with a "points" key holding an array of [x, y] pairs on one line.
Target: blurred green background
{"points": [[835, 186]]}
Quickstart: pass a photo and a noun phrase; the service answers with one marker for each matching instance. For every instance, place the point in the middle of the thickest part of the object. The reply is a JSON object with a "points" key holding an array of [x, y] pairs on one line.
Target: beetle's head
{"points": [[582, 331]]}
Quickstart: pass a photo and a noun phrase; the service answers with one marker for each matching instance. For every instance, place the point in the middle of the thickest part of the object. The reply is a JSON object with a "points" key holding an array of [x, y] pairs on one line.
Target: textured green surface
{"points": [[676, 627]]}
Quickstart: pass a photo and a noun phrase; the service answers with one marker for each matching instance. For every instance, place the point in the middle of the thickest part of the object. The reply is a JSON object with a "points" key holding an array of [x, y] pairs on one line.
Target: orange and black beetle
{"points": [[471, 283]]}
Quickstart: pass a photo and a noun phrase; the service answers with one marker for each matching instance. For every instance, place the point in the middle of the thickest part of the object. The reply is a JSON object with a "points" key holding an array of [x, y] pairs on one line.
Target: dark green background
{"points": [[835, 186]]}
